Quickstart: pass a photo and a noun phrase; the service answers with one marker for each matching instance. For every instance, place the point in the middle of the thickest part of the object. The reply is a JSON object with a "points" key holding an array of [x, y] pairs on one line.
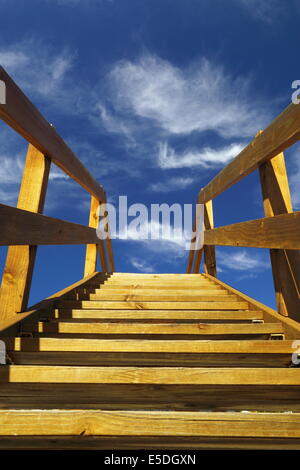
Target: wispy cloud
{"points": [[241, 260], [141, 265], [202, 97], [37, 68], [205, 158], [171, 184]]}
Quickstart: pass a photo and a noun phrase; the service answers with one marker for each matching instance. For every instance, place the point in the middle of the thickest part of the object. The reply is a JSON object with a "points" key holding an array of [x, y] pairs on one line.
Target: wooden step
{"points": [[209, 315], [165, 296], [190, 286], [124, 328], [200, 353], [149, 375], [153, 305], [151, 423]]}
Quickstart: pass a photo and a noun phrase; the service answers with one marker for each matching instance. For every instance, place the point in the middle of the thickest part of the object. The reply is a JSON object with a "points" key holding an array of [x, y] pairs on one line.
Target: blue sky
{"points": [[155, 97]]}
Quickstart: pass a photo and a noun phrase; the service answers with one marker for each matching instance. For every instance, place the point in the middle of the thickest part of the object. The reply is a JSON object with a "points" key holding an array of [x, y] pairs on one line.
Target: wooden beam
{"points": [[18, 270], [244, 347], [285, 263], [101, 423], [210, 266], [130, 328], [278, 136], [170, 315], [279, 232], [91, 249], [108, 242], [21, 227], [131, 305], [20, 114], [149, 375]]}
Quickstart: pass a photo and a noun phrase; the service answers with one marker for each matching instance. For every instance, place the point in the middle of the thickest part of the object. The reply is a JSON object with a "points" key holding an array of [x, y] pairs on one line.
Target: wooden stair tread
{"points": [[172, 346], [159, 328], [150, 423], [157, 314], [147, 305]]}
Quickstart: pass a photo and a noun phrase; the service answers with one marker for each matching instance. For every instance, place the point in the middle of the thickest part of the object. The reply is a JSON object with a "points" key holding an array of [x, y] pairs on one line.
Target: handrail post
{"points": [[92, 249], [285, 263], [18, 270], [210, 266]]}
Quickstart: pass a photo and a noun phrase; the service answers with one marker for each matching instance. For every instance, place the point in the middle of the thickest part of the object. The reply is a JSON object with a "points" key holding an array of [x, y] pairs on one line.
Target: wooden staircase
{"points": [[151, 361], [146, 361]]}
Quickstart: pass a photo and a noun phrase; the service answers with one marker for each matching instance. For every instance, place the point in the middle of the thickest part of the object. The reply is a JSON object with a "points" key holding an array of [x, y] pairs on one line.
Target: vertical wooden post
{"points": [[192, 251], [91, 249], [208, 250], [210, 266], [109, 243], [18, 270], [285, 263]]}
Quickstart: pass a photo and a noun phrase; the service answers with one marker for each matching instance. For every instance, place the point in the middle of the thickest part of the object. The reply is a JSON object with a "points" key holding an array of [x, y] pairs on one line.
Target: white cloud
{"points": [[141, 265], [40, 70], [200, 98], [241, 260], [171, 184], [206, 158]]}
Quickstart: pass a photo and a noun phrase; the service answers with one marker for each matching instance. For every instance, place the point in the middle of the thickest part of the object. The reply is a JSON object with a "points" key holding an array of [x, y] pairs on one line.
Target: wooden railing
{"points": [[279, 230], [24, 227]]}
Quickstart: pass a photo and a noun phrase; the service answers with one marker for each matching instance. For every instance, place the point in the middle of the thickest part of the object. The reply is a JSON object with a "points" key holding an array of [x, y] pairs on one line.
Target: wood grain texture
{"points": [[20, 227], [149, 375], [19, 265], [285, 263], [278, 232]]}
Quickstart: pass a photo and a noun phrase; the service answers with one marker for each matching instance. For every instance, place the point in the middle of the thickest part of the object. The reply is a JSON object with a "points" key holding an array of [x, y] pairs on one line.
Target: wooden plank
{"points": [[109, 243], [278, 232], [290, 326], [278, 136], [173, 297], [159, 293], [20, 227], [210, 266], [149, 375], [146, 346], [285, 263], [19, 265], [170, 315], [23, 116], [148, 423], [201, 329], [47, 303], [91, 249], [158, 287], [113, 305], [192, 251]]}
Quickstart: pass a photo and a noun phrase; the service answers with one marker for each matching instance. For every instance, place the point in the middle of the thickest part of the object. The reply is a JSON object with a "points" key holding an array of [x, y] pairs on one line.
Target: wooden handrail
{"points": [[278, 232], [20, 227], [20, 114], [278, 136], [24, 228]]}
